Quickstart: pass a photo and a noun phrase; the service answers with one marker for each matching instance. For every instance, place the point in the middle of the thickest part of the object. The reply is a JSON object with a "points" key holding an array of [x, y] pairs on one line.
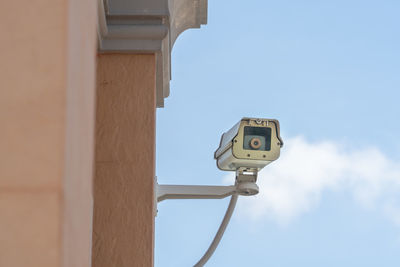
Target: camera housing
{"points": [[252, 143]]}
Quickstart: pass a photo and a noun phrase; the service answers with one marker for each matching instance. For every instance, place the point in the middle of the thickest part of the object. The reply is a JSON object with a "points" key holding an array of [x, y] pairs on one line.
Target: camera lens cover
{"points": [[257, 138]]}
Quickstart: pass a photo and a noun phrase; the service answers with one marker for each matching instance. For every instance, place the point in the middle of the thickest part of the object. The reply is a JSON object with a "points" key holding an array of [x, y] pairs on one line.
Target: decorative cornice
{"points": [[148, 26]]}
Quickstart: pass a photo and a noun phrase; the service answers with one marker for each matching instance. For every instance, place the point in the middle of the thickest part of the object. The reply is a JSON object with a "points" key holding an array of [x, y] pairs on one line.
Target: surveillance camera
{"points": [[252, 144], [246, 148]]}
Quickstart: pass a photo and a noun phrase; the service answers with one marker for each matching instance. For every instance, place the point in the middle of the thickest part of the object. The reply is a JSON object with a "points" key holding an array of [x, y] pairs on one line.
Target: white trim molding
{"points": [[148, 26]]}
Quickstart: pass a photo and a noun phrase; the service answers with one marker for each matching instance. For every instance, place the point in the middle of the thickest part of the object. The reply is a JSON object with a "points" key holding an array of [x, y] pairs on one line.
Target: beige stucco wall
{"points": [[47, 71], [123, 229]]}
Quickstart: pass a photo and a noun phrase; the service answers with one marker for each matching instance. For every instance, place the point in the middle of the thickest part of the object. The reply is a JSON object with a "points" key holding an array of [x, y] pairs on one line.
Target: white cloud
{"points": [[293, 184]]}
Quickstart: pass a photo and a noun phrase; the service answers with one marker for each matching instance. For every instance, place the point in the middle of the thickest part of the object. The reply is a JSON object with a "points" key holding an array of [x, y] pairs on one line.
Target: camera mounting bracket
{"points": [[245, 185], [246, 175]]}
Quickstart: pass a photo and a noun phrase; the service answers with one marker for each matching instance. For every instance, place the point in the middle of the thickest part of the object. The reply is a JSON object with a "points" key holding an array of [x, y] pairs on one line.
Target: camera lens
{"points": [[255, 143], [257, 138]]}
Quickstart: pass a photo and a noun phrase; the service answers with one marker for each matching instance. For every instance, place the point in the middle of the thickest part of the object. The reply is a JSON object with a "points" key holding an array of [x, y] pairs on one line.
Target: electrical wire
{"points": [[220, 232]]}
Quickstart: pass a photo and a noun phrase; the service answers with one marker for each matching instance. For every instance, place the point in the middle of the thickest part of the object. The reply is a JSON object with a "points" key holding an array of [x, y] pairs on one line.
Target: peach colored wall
{"points": [[123, 229], [79, 142], [46, 140]]}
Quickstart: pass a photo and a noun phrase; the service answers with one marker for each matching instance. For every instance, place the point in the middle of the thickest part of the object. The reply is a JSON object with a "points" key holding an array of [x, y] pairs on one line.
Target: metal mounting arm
{"points": [[245, 185], [205, 191], [193, 192]]}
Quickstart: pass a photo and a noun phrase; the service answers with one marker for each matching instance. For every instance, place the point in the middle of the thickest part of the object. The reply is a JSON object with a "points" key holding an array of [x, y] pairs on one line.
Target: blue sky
{"points": [[329, 72]]}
